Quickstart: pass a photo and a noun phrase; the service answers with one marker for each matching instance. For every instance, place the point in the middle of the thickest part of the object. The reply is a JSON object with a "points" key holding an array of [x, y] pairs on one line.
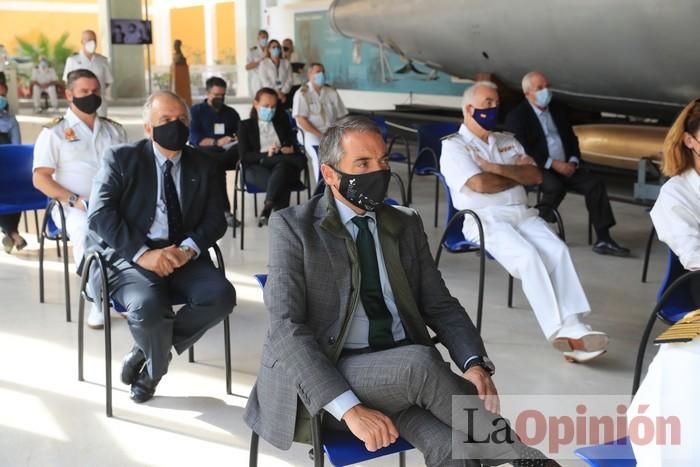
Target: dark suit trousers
{"points": [[148, 299], [414, 387], [555, 186], [10, 222], [277, 175], [226, 159]]}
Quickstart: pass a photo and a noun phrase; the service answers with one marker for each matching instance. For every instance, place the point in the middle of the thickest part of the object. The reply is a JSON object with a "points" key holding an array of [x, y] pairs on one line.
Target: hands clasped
{"points": [[163, 261]]}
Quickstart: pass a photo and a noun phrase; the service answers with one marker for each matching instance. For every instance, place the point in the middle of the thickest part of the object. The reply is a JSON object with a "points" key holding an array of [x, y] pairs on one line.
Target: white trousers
{"points": [[311, 140], [36, 96], [524, 245], [76, 227]]}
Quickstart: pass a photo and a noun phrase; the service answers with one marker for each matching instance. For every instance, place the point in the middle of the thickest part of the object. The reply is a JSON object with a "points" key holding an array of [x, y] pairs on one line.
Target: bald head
{"points": [[87, 36]]}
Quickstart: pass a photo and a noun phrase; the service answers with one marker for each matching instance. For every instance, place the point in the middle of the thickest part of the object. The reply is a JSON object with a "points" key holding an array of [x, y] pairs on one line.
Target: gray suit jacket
{"points": [[311, 292]]}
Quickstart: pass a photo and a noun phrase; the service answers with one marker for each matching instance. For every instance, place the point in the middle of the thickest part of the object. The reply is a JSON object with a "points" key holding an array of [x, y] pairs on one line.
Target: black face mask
{"points": [[217, 103], [172, 135], [88, 104], [366, 191]]}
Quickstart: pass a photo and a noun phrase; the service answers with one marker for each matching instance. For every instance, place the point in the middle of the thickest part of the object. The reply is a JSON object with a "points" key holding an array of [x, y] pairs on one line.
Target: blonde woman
{"points": [[275, 71], [676, 213]]}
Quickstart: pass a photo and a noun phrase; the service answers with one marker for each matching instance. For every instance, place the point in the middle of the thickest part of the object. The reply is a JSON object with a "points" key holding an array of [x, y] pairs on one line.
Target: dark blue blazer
{"points": [[124, 194]]}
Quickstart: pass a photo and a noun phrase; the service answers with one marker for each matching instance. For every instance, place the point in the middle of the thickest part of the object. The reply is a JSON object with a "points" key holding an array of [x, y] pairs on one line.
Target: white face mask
{"points": [[90, 47]]}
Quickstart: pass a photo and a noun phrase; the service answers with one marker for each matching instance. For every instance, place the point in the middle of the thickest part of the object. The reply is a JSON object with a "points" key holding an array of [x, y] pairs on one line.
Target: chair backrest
{"points": [[16, 177], [455, 234], [430, 136], [680, 302], [381, 123], [262, 279]]}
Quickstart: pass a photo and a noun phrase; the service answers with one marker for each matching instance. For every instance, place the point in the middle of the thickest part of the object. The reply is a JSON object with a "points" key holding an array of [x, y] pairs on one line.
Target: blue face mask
{"points": [[486, 118], [263, 43], [266, 113], [543, 97], [320, 79], [3, 102], [275, 52]]}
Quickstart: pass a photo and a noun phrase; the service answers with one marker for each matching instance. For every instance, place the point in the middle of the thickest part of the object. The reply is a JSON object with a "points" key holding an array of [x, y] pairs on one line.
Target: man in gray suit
{"points": [[351, 290]]}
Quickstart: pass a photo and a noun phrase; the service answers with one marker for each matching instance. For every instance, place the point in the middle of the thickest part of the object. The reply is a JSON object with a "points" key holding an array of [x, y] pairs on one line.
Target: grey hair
{"points": [[525, 83], [471, 90], [148, 106], [330, 150]]}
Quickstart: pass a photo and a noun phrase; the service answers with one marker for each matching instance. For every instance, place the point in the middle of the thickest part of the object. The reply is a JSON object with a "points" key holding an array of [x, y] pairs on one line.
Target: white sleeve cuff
{"points": [[139, 253], [548, 164], [341, 404], [188, 242], [574, 160]]}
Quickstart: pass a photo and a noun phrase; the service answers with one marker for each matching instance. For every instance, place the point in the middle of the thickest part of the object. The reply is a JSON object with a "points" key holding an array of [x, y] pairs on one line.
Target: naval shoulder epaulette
{"points": [[113, 122], [448, 136], [304, 88], [54, 122]]}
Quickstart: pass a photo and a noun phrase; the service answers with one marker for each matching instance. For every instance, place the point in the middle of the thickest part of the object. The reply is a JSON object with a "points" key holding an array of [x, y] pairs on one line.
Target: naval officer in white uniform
{"points": [[88, 59]]}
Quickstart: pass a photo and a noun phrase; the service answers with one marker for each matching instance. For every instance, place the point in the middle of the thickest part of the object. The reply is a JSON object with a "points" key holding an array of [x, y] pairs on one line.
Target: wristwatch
{"points": [[483, 362], [72, 199], [188, 251]]}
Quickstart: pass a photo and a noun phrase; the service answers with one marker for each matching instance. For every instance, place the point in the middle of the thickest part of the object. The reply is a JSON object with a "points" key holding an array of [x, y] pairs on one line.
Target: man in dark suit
{"points": [[543, 128], [351, 290], [155, 211]]}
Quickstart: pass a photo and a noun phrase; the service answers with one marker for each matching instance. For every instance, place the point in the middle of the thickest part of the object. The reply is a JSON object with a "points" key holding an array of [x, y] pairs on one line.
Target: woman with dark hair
{"points": [[267, 148], [276, 72]]}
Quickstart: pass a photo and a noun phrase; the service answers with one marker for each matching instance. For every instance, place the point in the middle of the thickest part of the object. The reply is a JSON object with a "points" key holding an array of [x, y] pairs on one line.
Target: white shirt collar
{"points": [[160, 158], [537, 110], [73, 121], [468, 136], [346, 214], [312, 89]]}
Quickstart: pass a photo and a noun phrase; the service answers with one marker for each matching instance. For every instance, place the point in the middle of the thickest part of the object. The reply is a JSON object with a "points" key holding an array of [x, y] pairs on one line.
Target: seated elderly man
{"points": [[316, 106], [351, 290], [486, 172], [155, 210], [542, 127]]}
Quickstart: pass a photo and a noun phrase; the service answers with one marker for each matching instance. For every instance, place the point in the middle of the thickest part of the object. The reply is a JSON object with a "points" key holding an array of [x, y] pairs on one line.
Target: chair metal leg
{"points": [[108, 355], [227, 353], [510, 291], [36, 224], [81, 334], [255, 205], [41, 269], [242, 217], [66, 280], [235, 200], [58, 248], [480, 299], [647, 254], [317, 441], [402, 459], [26, 224], [190, 354], [253, 453], [437, 201]]}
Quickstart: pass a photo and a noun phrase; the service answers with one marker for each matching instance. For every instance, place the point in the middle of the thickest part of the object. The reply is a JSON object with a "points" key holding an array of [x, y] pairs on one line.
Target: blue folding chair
{"points": [[427, 161], [18, 193], [390, 141], [241, 185], [341, 447], [673, 302], [50, 231], [106, 301]]}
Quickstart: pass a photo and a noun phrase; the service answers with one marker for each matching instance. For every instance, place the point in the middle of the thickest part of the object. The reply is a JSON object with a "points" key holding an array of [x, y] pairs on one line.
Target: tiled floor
{"points": [[48, 418]]}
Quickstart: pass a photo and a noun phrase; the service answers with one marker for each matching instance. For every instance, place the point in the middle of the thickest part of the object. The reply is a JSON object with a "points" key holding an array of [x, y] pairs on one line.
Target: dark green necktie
{"points": [[380, 335]]}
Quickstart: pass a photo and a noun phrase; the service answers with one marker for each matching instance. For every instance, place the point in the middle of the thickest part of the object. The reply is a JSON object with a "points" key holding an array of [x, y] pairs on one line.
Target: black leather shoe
{"points": [[262, 220], [132, 365], [143, 388], [611, 248]]}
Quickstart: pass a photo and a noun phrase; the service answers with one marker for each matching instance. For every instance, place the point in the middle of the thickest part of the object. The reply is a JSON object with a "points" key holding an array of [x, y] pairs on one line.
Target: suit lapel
{"points": [[189, 181], [536, 126], [390, 229]]}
